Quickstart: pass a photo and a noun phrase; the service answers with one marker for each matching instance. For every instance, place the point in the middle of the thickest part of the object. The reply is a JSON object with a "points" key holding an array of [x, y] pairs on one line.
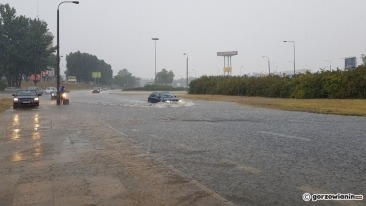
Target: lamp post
{"points": [[330, 64], [294, 56], [240, 70], [58, 48], [155, 39], [269, 66], [187, 69]]}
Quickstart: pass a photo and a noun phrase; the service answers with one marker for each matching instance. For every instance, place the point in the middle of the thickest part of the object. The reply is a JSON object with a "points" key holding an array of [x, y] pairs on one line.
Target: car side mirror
{"points": [[13, 95], [39, 94]]}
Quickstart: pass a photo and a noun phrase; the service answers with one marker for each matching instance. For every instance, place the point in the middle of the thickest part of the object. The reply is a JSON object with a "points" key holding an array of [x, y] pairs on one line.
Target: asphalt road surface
{"points": [[240, 154]]}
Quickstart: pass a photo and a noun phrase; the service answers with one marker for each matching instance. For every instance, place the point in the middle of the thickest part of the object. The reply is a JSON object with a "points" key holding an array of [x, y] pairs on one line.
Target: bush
{"points": [[322, 84]]}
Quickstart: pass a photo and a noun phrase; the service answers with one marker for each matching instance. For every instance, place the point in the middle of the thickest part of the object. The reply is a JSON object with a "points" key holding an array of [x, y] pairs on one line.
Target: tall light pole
{"points": [[187, 68], [294, 56], [330, 64], [155, 39], [58, 49], [240, 70], [269, 66]]}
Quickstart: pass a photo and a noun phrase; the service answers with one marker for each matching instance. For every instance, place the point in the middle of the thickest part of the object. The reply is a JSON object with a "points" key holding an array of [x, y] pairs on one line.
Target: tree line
{"points": [[83, 65], [322, 84], [24, 45]]}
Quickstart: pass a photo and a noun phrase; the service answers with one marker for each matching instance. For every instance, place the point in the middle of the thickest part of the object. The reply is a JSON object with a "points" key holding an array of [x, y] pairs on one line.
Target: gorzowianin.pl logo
{"points": [[315, 197]]}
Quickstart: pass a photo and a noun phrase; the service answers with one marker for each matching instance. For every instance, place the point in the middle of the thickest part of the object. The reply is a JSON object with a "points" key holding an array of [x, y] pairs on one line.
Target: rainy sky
{"points": [[120, 32]]}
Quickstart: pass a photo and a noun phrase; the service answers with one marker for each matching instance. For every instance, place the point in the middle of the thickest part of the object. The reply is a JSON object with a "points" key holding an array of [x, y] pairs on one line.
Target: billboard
{"points": [[96, 74], [228, 53], [350, 62]]}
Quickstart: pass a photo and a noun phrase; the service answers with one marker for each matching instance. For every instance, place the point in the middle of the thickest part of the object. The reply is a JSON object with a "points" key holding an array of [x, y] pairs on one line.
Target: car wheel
{"points": [[15, 107]]}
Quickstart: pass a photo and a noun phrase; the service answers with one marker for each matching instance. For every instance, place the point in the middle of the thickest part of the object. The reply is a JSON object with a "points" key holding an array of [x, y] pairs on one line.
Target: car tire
{"points": [[15, 106], [65, 102]]}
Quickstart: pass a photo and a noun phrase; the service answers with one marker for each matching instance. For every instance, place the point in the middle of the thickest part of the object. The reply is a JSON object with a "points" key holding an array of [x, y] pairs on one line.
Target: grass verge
{"points": [[5, 103], [353, 107]]}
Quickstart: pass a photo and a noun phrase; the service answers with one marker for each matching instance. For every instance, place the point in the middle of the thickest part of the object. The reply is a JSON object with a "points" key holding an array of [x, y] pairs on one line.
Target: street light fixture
{"points": [[58, 49], [240, 69], [294, 56], [155, 39], [269, 66], [187, 68]]}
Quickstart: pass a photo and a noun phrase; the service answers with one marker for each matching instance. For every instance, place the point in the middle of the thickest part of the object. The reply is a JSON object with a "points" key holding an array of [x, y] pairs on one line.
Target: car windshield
{"points": [[167, 95], [26, 93]]}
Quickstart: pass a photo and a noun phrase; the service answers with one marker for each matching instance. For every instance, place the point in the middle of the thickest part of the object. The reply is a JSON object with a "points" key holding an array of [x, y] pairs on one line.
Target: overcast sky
{"points": [[120, 32]]}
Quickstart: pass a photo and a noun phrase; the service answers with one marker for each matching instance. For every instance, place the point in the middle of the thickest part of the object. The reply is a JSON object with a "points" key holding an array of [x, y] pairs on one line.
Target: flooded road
{"points": [[239, 155]]}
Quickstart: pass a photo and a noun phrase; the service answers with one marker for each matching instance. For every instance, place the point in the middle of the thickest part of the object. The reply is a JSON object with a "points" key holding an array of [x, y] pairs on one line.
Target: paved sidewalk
{"points": [[60, 156]]}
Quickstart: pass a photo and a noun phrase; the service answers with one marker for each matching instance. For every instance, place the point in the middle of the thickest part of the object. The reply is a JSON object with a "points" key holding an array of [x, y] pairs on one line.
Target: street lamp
{"points": [[187, 68], [155, 39], [330, 64], [269, 66], [294, 56], [58, 48]]}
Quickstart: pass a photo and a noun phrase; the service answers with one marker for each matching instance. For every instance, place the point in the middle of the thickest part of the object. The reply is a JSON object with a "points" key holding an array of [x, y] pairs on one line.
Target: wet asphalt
{"points": [[247, 155]]}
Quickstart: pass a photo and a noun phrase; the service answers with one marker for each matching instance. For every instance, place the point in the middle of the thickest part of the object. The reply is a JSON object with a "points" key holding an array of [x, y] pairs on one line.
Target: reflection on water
{"points": [[22, 129], [15, 135], [17, 156], [16, 120]]}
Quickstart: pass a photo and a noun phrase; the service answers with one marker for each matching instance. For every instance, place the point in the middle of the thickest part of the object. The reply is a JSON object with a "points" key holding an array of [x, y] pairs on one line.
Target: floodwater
{"points": [[248, 156]]}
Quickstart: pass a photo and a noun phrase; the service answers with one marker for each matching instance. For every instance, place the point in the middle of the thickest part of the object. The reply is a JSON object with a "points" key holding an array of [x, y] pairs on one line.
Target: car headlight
{"points": [[64, 95], [167, 101], [15, 99], [36, 99]]}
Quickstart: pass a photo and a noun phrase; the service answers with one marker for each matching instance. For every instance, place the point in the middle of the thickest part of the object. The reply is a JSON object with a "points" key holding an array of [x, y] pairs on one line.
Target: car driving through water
{"points": [[25, 98], [166, 97]]}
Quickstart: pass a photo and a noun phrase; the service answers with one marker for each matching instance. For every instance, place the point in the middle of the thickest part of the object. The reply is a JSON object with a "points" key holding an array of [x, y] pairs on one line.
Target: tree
{"points": [[164, 77], [124, 79], [24, 45], [82, 65]]}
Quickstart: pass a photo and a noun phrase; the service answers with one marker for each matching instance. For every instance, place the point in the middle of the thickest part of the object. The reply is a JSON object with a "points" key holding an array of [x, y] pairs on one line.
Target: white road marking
{"points": [[284, 135]]}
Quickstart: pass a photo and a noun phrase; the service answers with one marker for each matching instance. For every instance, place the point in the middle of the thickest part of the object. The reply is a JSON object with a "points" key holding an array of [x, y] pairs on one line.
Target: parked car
{"points": [[25, 98], [167, 97], [11, 90], [49, 90], [39, 90]]}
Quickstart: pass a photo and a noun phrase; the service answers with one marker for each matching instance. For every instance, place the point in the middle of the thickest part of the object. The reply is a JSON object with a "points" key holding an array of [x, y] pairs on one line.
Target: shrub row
{"points": [[322, 84]]}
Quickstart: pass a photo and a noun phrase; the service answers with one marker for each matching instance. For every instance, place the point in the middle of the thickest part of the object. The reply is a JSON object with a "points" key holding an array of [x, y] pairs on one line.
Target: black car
{"points": [[25, 98], [96, 90], [167, 97], [39, 90]]}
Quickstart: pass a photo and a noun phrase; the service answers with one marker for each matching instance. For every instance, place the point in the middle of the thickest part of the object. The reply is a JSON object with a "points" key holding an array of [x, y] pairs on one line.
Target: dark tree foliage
{"points": [[124, 79], [24, 46], [164, 77], [323, 84], [82, 65]]}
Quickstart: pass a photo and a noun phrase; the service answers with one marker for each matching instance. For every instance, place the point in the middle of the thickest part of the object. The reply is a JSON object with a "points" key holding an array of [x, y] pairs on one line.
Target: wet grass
{"points": [[353, 107], [5, 103]]}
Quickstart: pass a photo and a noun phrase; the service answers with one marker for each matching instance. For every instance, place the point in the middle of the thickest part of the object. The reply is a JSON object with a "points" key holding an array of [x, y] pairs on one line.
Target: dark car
{"points": [[39, 90], [25, 98], [167, 97], [96, 90]]}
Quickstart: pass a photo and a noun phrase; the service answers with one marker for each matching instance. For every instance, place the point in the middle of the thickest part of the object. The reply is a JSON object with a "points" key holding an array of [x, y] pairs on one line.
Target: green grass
{"points": [[354, 107], [5, 103]]}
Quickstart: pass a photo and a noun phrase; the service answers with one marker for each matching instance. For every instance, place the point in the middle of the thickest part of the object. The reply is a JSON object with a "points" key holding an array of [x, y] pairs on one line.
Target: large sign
{"points": [[350, 62], [228, 53], [96, 74]]}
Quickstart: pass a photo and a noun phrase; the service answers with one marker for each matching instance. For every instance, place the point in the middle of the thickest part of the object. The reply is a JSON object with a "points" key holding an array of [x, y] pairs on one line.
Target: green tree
{"points": [[24, 45], [164, 77], [124, 79], [82, 65]]}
